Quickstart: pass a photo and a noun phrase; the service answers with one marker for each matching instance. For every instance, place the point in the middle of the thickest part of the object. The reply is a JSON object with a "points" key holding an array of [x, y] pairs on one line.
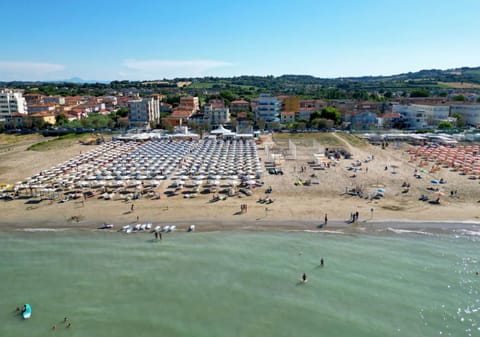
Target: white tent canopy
{"points": [[221, 131]]}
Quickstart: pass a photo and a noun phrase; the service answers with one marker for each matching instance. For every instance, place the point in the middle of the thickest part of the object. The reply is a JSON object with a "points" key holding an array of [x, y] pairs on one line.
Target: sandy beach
{"points": [[294, 206]]}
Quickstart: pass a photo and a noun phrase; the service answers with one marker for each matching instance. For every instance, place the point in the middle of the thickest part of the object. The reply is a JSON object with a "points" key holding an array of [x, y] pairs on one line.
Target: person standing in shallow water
{"points": [[304, 278], [321, 262]]}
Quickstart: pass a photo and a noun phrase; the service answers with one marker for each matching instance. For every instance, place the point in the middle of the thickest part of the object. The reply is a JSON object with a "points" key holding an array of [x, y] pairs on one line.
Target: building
{"points": [[54, 99], [178, 117], [316, 104], [216, 113], [143, 112], [364, 120], [110, 102], [291, 103], [421, 116], [267, 109], [33, 98], [305, 113], [388, 120], [39, 119], [189, 103], [44, 117], [165, 107], [35, 108], [11, 102], [470, 113], [14, 121], [287, 117], [239, 106]]}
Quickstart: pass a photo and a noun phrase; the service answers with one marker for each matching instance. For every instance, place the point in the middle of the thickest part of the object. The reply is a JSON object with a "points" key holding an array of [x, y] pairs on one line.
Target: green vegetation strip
{"points": [[15, 139], [352, 139], [307, 139], [58, 142]]}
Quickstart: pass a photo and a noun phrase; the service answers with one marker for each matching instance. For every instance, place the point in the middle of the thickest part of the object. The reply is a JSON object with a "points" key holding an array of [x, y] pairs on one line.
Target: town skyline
{"points": [[162, 40]]}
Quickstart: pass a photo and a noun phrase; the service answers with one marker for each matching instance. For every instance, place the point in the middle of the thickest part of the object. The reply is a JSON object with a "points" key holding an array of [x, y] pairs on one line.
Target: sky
{"points": [[108, 40]]}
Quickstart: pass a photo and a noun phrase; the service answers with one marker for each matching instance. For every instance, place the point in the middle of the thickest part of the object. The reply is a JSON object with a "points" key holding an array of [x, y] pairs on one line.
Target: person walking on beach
{"points": [[132, 208], [326, 219]]}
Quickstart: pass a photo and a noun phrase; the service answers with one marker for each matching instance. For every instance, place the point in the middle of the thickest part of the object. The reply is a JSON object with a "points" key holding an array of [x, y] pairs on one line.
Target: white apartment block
{"points": [[420, 116], [216, 115], [11, 102], [143, 112], [469, 112], [268, 109]]}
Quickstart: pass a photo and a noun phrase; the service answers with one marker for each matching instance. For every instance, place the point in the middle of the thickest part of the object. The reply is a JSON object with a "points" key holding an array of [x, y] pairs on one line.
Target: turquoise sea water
{"points": [[239, 284]]}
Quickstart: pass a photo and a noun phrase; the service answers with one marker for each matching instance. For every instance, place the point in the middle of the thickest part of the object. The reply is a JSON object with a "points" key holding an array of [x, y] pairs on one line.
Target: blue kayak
{"points": [[27, 311]]}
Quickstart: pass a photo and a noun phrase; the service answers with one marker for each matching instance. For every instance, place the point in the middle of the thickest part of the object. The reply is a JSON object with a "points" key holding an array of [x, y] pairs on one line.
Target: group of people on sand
{"points": [[354, 216], [302, 169]]}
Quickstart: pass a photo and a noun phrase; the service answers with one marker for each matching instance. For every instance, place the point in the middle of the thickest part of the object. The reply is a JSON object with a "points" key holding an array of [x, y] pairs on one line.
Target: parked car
{"points": [[275, 171]]}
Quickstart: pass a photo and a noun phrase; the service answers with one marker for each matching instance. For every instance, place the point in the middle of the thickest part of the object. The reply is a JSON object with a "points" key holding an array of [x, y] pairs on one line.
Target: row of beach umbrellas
{"points": [[135, 164]]}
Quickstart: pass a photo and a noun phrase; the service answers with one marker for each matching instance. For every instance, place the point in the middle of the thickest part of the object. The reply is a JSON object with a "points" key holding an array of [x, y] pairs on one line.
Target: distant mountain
{"points": [[80, 81], [465, 77]]}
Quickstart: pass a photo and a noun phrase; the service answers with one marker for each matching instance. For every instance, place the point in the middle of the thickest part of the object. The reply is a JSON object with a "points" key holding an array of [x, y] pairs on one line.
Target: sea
{"points": [[240, 283]]}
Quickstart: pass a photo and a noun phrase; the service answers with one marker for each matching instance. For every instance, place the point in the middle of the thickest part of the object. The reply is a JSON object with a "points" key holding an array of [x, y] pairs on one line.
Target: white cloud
{"points": [[153, 69], [20, 70]]}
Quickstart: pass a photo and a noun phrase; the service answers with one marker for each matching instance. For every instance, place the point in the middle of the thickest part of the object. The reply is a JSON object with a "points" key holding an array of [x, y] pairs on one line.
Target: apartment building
{"points": [[238, 106], [420, 116], [189, 103], [216, 113], [11, 102], [267, 109], [469, 112], [33, 98], [143, 112]]}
